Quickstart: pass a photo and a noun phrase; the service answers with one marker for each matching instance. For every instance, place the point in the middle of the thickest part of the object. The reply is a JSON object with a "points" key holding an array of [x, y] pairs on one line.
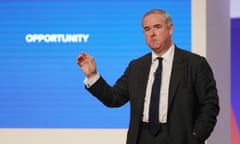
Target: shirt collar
{"points": [[166, 56]]}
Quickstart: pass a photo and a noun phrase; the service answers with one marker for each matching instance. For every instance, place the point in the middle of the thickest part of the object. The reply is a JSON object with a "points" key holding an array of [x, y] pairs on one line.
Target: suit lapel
{"points": [[177, 75], [145, 68]]}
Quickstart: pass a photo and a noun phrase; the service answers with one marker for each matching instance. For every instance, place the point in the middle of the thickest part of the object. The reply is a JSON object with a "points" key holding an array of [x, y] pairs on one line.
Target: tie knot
{"points": [[159, 59]]}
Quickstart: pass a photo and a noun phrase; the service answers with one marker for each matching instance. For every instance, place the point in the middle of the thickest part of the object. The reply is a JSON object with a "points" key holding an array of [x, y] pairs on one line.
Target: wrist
{"points": [[92, 74], [91, 80]]}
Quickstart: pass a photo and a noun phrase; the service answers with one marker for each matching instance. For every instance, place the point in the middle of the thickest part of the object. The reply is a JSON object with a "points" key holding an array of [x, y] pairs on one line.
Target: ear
{"points": [[170, 27]]}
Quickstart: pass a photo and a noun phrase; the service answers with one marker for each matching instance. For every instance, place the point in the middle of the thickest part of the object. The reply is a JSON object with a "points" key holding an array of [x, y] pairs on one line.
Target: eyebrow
{"points": [[156, 25], [146, 27]]}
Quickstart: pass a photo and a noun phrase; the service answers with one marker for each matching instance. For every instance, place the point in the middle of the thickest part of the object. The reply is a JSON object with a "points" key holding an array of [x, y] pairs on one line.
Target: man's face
{"points": [[157, 33]]}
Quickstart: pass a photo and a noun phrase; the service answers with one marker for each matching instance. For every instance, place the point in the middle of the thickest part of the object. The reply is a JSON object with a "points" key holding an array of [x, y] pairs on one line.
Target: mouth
{"points": [[154, 40]]}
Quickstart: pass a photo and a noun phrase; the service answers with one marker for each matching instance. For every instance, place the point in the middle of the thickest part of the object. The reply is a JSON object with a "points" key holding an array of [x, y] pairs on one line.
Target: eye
{"points": [[157, 26], [146, 29]]}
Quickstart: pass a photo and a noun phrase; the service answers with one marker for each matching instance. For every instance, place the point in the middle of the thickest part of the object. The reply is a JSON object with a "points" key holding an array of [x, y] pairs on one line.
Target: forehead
{"points": [[152, 19]]}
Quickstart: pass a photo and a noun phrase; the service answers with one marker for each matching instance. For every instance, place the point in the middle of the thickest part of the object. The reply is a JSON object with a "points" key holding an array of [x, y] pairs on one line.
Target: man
{"points": [[188, 107]]}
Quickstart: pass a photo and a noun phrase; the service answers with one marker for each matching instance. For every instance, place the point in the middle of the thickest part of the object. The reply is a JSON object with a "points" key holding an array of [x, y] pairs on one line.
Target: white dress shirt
{"points": [[166, 74], [90, 81]]}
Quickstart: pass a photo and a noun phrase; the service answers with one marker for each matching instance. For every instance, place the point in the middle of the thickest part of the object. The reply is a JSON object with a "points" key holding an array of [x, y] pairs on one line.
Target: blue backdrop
{"points": [[235, 69], [41, 86]]}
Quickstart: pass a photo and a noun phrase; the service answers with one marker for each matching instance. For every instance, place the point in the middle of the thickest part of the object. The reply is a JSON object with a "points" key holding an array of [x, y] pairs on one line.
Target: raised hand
{"points": [[87, 64]]}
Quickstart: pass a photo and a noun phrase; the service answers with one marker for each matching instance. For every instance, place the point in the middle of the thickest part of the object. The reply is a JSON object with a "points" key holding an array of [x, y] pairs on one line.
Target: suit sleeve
{"points": [[206, 91], [111, 96]]}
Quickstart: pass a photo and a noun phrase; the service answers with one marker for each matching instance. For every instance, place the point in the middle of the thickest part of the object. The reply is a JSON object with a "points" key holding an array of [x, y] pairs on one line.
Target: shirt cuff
{"points": [[92, 80]]}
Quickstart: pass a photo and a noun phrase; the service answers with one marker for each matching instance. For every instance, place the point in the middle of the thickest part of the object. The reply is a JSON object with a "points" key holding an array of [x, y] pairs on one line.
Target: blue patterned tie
{"points": [[155, 97]]}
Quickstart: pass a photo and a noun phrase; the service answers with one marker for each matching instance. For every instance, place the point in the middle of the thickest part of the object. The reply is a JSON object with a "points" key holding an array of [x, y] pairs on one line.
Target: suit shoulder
{"points": [[141, 59], [193, 57], [193, 60]]}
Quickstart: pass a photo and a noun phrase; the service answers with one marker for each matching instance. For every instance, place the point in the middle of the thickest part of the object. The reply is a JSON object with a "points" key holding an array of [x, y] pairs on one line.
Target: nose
{"points": [[152, 33]]}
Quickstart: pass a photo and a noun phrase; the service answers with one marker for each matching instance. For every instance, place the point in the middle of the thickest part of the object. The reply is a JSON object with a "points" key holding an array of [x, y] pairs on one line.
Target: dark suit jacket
{"points": [[193, 100]]}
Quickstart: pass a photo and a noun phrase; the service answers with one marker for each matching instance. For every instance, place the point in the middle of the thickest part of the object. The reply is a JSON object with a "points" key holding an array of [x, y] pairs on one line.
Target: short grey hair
{"points": [[167, 18]]}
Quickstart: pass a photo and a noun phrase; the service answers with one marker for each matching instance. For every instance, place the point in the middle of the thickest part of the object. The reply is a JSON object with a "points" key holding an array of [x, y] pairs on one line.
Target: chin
{"points": [[155, 46], [156, 49]]}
